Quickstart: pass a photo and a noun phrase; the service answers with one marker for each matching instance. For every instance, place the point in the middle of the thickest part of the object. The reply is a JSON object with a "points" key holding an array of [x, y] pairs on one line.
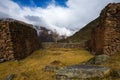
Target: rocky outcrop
{"points": [[17, 39], [90, 70], [106, 36], [83, 72], [98, 60]]}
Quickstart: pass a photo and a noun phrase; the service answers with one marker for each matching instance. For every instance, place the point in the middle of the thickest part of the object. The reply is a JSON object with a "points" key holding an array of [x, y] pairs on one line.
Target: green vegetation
{"points": [[84, 34], [32, 67]]}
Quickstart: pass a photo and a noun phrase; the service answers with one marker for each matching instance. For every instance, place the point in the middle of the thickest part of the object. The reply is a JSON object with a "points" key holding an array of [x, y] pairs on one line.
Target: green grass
{"points": [[31, 68]]}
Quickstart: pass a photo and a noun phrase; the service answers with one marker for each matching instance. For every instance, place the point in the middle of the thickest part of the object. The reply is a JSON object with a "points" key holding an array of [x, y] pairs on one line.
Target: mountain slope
{"points": [[83, 34]]}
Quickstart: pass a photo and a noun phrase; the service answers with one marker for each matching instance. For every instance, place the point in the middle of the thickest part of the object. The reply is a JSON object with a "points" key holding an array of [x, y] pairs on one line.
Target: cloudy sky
{"points": [[65, 16]]}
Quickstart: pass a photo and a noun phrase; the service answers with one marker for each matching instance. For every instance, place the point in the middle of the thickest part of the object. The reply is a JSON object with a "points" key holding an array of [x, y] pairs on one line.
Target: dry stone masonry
{"points": [[106, 36], [17, 39]]}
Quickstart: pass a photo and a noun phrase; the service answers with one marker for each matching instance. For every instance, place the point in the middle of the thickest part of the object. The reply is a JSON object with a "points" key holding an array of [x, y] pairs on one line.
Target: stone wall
{"points": [[19, 40], [106, 36], [6, 49], [62, 45]]}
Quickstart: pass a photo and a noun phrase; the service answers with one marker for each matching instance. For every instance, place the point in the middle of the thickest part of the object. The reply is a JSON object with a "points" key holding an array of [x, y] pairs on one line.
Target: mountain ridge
{"points": [[83, 34]]}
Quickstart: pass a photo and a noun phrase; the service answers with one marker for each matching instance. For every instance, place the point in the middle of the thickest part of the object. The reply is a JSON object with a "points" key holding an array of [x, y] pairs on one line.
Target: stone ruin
{"points": [[17, 39], [106, 36]]}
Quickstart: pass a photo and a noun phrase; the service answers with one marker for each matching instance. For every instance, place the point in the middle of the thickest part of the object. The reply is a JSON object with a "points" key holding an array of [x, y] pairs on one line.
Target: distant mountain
{"points": [[83, 34]]}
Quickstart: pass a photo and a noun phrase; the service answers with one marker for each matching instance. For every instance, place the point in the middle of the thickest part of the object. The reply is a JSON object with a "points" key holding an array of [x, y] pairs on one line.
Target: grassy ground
{"points": [[32, 67]]}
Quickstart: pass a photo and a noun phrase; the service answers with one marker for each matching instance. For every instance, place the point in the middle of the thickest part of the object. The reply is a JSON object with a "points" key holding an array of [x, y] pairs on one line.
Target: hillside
{"points": [[84, 33]]}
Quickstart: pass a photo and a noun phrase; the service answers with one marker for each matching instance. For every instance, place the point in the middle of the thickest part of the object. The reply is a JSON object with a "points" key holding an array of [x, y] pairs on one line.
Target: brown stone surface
{"points": [[106, 36], [17, 39]]}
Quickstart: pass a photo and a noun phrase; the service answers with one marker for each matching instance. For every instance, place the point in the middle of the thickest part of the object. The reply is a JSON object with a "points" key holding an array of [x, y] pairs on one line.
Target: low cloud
{"points": [[4, 15], [66, 20], [33, 18]]}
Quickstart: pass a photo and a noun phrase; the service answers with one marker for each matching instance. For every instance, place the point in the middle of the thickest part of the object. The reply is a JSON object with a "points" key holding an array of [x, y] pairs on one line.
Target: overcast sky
{"points": [[65, 16]]}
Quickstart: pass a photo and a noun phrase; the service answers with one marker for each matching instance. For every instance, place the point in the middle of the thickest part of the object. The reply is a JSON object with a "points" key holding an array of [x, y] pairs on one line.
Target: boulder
{"points": [[83, 72], [99, 59]]}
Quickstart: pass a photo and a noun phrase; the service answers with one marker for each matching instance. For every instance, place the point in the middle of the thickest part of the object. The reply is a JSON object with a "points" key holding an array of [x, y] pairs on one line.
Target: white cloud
{"points": [[64, 20]]}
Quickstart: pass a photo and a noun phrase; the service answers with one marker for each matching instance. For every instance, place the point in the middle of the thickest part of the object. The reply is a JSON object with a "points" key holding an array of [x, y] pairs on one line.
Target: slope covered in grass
{"points": [[32, 68], [83, 34]]}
